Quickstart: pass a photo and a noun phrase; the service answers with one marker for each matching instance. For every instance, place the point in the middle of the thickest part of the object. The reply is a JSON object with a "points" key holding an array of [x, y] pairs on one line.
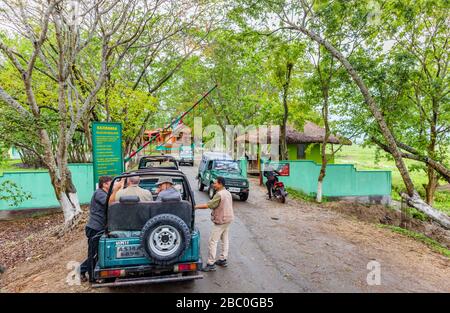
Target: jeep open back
{"points": [[158, 162], [149, 242]]}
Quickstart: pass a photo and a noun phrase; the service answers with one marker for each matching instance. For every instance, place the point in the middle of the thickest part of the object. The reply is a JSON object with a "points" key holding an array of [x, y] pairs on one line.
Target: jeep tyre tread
{"points": [[211, 191], [165, 226], [201, 187], [243, 197]]}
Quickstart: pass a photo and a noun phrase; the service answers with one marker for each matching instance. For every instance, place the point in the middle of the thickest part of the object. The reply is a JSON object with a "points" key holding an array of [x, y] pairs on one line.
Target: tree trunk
{"points": [[61, 179], [30, 159], [416, 202], [87, 134], [325, 84], [283, 144], [431, 186], [70, 206], [414, 155], [323, 167], [283, 141], [66, 194], [432, 176]]}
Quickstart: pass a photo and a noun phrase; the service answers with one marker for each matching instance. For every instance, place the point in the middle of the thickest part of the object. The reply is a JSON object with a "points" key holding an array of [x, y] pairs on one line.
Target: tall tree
{"points": [[304, 16], [420, 33], [284, 56], [59, 36]]}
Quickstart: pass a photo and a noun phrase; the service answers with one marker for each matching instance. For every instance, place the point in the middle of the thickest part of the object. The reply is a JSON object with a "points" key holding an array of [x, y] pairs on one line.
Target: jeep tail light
{"points": [[185, 267], [112, 273]]}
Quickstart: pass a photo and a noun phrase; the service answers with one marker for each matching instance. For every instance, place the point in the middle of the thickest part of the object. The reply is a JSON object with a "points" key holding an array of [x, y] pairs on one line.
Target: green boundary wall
{"points": [[38, 184], [341, 180]]}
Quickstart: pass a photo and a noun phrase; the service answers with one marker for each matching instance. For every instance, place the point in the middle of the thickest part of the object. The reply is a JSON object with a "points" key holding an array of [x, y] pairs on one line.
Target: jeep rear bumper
{"points": [[149, 280], [146, 274]]}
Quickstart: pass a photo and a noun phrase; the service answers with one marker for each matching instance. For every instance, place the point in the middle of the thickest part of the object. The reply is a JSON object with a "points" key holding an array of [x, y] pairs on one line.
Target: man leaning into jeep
{"points": [[222, 215], [96, 224]]}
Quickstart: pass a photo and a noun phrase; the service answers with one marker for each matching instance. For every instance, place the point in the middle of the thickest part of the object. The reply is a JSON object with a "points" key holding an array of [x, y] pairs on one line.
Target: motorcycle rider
{"points": [[270, 173]]}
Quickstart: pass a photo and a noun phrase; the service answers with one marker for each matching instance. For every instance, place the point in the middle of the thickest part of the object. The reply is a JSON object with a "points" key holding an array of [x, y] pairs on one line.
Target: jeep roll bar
{"points": [[162, 172]]}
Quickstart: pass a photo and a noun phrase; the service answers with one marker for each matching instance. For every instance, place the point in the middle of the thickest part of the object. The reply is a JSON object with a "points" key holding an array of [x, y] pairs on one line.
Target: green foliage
{"points": [[130, 107], [13, 194]]}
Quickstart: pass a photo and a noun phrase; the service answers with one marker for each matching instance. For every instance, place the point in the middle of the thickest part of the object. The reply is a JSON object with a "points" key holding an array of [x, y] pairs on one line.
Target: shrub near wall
{"points": [[42, 194]]}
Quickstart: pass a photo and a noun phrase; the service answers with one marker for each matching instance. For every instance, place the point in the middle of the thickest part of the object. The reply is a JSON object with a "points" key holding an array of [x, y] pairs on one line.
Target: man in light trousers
{"points": [[222, 215]]}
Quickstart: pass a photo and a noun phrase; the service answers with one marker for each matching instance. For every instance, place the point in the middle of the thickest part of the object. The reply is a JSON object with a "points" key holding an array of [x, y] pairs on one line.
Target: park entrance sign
{"points": [[106, 149]]}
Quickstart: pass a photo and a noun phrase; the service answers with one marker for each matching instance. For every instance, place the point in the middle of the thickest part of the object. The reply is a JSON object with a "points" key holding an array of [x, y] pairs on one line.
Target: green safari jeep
{"points": [[214, 164], [148, 242]]}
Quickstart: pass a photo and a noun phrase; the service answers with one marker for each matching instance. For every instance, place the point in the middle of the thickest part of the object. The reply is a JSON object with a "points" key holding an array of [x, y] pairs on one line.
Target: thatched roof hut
{"points": [[312, 133]]}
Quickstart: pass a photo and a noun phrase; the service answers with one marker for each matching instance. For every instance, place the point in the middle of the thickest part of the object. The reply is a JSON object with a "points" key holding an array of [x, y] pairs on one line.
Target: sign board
{"points": [[106, 149], [282, 167]]}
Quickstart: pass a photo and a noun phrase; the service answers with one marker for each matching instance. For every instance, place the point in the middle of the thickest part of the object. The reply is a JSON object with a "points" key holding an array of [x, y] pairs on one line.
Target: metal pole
{"points": [[127, 159]]}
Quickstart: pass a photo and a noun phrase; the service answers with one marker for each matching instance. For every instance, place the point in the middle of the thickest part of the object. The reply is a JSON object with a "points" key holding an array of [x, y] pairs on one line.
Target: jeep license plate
{"points": [[129, 251], [234, 189]]}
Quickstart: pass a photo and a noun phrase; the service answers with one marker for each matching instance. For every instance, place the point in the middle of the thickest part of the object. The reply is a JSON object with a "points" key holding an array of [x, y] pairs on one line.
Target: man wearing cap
{"points": [[132, 189], [222, 215], [166, 190]]}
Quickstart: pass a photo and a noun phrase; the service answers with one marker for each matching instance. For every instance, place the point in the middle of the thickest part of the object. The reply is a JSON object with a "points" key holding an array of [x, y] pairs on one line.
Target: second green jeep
{"points": [[216, 164]]}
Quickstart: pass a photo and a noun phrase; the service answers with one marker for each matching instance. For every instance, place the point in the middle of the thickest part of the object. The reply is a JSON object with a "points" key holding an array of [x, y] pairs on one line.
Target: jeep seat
{"points": [[131, 214]]}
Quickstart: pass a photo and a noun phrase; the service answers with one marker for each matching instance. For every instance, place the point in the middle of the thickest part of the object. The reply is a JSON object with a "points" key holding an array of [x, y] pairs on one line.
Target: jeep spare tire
{"points": [[164, 239]]}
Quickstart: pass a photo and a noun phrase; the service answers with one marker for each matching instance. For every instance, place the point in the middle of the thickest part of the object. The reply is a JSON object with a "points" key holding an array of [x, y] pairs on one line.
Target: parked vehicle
{"points": [[158, 162], [149, 242], [186, 155], [214, 164], [278, 190]]}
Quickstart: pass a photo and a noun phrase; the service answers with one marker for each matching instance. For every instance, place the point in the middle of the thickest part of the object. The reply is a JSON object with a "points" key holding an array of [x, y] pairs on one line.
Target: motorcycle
{"points": [[278, 190]]}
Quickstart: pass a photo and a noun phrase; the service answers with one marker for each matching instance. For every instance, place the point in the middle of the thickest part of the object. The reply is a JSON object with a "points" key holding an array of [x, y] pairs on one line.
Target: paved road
{"points": [[250, 269]]}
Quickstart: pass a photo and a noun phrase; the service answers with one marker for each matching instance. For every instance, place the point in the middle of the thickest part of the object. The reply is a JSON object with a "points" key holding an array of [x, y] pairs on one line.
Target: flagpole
{"points": [[127, 159]]}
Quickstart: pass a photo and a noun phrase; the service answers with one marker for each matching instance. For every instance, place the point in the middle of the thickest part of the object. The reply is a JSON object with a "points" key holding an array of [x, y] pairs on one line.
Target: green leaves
{"points": [[13, 194]]}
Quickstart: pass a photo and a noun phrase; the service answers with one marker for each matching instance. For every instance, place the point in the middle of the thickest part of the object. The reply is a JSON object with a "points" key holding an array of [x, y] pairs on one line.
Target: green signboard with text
{"points": [[107, 149]]}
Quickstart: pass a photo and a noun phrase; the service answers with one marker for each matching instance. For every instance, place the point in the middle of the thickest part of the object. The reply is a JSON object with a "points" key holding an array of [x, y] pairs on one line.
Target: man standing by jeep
{"points": [[96, 224], [221, 215]]}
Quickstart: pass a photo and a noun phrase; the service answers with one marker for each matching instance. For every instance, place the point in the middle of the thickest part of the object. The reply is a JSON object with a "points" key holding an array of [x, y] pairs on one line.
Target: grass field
{"points": [[364, 159]]}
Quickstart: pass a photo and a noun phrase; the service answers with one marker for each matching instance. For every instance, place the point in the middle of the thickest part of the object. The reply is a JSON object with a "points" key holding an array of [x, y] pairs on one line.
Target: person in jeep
{"points": [[166, 190], [222, 215], [132, 189]]}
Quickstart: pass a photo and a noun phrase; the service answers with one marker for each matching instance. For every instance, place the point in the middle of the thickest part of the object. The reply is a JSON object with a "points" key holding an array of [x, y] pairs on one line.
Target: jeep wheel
{"points": [[201, 187], [211, 191], [243, 197], [164, 238]]}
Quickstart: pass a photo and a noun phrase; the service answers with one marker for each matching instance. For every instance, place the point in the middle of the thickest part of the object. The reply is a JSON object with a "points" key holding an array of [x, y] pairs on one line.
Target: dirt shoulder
{"points": [[328, 247], [35, 259]]}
